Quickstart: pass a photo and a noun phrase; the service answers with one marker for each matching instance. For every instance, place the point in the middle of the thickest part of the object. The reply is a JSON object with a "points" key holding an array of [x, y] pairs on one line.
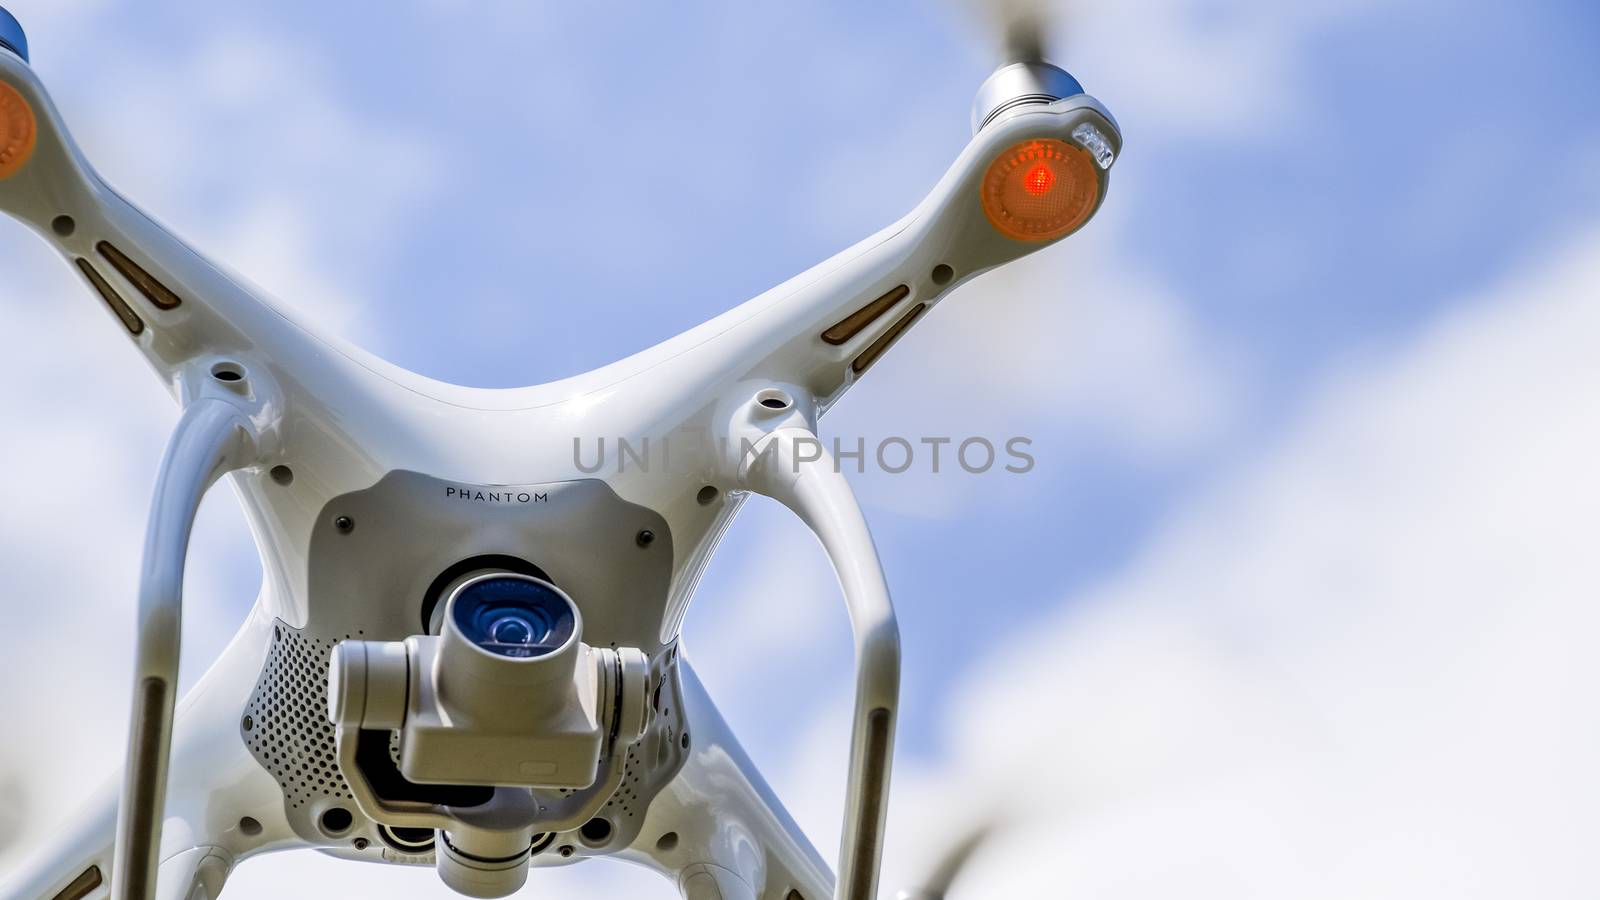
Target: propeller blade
{"points": [[949, 866], [1022, 28]]}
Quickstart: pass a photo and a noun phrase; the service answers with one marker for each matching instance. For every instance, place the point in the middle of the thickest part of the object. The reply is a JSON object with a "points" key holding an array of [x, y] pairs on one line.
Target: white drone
{"points": [[465, 650]]}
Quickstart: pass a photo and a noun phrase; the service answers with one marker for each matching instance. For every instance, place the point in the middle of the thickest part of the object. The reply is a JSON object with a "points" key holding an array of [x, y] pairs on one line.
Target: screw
{"points": [[345, 524], [248, 723], [685, 741], [645, 538], [361, 843], [565, 851]]}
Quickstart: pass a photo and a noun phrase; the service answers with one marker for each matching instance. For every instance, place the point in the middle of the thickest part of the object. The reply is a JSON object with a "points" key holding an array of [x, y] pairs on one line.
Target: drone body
{"points": [[465, 651]]}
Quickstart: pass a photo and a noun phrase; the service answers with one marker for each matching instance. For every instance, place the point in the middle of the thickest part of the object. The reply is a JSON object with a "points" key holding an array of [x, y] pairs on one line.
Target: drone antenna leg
{"points": [[212, 437], [811, 485]]}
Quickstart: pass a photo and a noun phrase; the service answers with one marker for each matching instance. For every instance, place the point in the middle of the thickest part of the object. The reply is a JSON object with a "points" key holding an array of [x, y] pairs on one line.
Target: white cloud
{"points": [[1362, 667]]}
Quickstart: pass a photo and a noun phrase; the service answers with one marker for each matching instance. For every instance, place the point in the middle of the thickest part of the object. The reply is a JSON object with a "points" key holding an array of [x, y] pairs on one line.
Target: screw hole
{"points": [[707, 496], [565, 851], [774, 399], [684, 741], [228, 372], [667, 842], [942, 274], [282, 475], [63, 225], [249, 826]]}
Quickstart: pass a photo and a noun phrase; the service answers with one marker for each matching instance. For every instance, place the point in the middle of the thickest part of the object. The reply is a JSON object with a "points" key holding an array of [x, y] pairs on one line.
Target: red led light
{"points": [[1038, 180], [1040, 190]]}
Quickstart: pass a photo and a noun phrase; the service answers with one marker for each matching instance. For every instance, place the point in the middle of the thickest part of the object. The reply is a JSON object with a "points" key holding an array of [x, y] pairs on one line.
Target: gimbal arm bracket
{"points": [[213, 437], [790, 465]]}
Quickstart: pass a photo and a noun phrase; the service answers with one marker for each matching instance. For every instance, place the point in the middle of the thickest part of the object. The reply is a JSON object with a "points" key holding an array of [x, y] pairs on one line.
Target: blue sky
{"points": [[1311, 198]]}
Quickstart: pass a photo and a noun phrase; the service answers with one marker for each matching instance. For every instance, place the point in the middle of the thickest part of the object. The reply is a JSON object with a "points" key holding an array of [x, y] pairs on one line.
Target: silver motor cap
{"points": [[1018, 85]]}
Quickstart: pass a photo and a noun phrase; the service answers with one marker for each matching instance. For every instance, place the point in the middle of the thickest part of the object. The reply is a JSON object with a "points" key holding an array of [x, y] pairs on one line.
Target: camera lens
{"points": [[514, 616], [513, 629]]}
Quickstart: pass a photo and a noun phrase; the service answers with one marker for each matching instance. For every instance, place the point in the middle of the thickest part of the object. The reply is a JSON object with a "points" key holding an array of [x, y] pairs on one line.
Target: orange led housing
{"points": [[17, 131], [1040, 190]]}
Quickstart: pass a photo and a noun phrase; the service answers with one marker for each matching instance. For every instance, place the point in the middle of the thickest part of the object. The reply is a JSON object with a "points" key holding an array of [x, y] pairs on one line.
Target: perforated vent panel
{"points": [[286, 724], [625, 801]]}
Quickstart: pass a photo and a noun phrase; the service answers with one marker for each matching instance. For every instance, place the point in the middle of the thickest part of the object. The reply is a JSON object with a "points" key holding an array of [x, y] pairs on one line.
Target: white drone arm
{"points": [[824, 328], [174, 304]]}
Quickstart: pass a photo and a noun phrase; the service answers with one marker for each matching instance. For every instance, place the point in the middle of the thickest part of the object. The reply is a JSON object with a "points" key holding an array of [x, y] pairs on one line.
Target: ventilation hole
{"points": [[942, 274], [82, 886], [124, 312], [63, 225], [707, 496], [877, 347], [596, 831], [851, 325], [249, 826], [337, 820], [148, 285], [282, 475]]}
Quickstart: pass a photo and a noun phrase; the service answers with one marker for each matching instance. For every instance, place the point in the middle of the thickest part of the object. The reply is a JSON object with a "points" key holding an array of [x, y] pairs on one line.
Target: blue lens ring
{"points": [[514, 617]]}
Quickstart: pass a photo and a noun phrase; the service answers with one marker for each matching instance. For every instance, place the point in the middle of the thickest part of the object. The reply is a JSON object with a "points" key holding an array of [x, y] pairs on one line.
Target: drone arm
{"points": [[173, 304], [812, 486], [212, 437], [730, 836], [825, 328], [195, 874], [222, 807]]}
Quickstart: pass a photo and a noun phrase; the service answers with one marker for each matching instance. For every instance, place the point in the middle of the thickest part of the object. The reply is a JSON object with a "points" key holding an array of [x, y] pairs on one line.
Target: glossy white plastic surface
{"points": [[790, 465], [212, 437], [344, 419]]}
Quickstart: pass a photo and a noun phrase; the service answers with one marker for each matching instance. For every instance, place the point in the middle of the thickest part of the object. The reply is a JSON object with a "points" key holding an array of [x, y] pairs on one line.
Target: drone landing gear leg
{"points": [[213, 437], [790, 465], [222, 807]]}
